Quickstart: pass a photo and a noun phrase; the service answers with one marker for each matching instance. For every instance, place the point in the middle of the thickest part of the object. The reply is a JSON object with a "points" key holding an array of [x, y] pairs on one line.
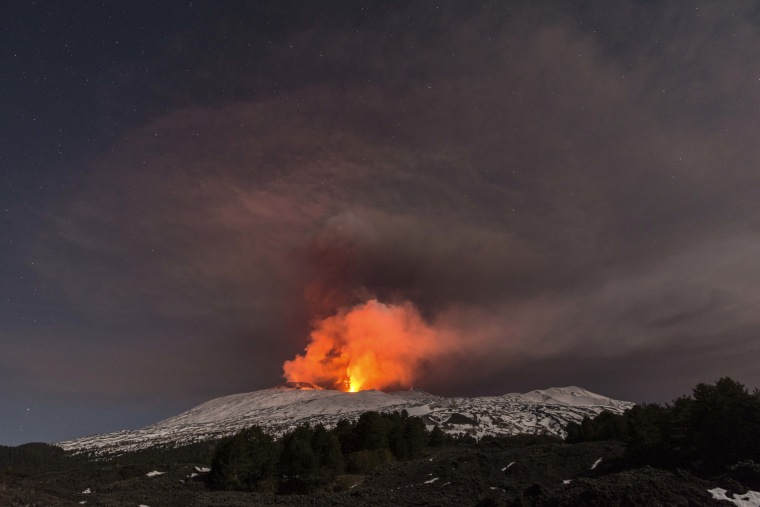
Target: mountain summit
{"points": [[302, 386], [281, 408]]}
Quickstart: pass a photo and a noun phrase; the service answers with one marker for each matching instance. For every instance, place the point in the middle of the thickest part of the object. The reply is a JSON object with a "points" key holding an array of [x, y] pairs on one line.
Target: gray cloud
{"points": [[565, 187]]}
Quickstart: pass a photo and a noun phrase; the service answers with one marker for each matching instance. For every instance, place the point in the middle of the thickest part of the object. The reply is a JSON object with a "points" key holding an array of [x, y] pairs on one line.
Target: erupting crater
{"points": [[373, 345]]}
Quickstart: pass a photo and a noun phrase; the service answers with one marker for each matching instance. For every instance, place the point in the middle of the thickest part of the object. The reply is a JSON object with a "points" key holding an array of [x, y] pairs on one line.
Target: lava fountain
{"points": [[369, 346]]}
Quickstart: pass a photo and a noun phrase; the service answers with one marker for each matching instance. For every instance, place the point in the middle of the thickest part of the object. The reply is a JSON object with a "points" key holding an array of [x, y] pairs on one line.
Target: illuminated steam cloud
{"points": [[370, 346]]}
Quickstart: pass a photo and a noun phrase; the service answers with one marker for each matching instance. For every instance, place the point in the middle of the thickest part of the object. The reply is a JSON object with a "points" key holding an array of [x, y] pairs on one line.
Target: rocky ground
{"points": [[496, 474]]}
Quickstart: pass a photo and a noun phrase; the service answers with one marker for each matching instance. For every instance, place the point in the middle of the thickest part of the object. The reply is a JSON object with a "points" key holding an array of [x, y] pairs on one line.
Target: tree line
{"points": [[718, 425], [310, 457], [31, 458]]}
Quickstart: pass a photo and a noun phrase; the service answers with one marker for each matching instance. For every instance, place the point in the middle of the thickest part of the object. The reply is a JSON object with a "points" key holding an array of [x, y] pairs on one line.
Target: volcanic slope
{"points": [[280, 409]]}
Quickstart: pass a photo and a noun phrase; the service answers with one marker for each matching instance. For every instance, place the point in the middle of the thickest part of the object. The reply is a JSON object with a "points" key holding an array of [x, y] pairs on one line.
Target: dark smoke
{"points": [[563, 188]]}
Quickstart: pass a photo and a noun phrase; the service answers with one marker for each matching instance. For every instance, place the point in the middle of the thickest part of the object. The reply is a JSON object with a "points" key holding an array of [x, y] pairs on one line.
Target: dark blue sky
{"points": [[569, 190]]}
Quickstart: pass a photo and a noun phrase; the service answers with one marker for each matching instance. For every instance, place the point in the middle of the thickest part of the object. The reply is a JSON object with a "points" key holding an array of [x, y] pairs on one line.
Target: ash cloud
{"points": [[560, 190]]}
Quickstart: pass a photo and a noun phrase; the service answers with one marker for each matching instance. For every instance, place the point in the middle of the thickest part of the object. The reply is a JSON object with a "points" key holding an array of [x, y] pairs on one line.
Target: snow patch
{"points": [[431, 481], [154, 473], [567, 481], [596, 463], [503, 469], [87, 491], [572, 396], [748, 499]]}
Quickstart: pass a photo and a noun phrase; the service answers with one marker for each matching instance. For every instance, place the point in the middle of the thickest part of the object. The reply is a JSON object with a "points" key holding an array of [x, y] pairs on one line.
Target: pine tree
{"points": [[372, 431], [327, 449], [244, 460], [297, 458], [416, 437], [437, 437]]}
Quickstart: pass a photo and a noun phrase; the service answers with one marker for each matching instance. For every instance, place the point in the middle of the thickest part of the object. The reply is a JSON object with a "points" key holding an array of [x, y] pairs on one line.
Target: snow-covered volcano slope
{"points": [[281, 408]]}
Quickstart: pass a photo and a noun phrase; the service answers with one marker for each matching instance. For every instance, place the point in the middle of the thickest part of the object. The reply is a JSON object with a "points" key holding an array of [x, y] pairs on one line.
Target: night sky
{"points": [[573, 188]]}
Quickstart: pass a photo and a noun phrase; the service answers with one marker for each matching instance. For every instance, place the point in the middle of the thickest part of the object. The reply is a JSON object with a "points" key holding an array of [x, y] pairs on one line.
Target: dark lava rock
{"points": [[484, 475], [644, 486], [747, 473]]}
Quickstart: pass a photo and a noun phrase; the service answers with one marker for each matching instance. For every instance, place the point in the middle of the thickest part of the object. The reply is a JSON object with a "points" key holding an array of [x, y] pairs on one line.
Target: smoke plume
{"points": [[370, 346], [564, 194]]}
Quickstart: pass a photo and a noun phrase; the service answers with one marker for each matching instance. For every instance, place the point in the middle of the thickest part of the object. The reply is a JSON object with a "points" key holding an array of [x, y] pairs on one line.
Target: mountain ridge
{"points": [[278, 409]]}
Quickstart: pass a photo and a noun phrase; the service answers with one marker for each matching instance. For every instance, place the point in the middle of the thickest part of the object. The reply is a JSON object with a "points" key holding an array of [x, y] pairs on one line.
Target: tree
{"points": [[327, 450], [244, 461], [646, 428], [297, 457], [397, 442], [437, 437], [371, 431], [309, 458], [416, 437], [724, 422], [605, 426], [346, 435], [718, 425], [299, 470]]}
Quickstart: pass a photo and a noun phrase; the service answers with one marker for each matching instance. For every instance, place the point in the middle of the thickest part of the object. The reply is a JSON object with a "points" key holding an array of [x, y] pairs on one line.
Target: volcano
{"points": [[281, 408]]}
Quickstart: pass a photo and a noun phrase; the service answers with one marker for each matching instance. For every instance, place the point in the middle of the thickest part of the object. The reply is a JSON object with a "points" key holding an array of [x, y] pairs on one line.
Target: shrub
{"points": [[362, 462]]}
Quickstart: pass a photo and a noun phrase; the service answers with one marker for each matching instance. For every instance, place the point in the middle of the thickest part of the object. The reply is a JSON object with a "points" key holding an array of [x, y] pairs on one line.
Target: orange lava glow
{"points": [[370, 346]]}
